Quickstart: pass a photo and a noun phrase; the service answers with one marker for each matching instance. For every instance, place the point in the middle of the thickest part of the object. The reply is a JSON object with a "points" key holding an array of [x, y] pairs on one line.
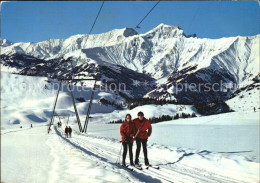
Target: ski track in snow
{"points": [[93, 158], [103, 158], [106, 155]]}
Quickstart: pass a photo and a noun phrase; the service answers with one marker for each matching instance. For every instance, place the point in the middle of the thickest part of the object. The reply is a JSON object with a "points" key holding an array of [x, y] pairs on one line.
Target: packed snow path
{"points": [[104, 152], [32, 155]]}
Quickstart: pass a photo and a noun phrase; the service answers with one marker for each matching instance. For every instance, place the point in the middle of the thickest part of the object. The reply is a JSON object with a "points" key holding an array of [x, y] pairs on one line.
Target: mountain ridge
{"points": [[160, 53]]}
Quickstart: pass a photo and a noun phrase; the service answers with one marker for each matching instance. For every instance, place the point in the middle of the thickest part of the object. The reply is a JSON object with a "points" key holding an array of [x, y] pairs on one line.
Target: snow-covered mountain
{"points": [[54, 48], [165, 53], [5, 42]]}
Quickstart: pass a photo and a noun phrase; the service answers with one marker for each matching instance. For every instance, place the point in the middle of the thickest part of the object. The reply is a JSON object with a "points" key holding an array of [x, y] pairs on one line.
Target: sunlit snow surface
{"points": [[217, 148]]}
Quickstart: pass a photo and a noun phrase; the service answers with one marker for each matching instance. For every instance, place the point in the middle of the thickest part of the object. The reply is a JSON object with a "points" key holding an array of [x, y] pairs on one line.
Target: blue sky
{"points": [[37, 21]]}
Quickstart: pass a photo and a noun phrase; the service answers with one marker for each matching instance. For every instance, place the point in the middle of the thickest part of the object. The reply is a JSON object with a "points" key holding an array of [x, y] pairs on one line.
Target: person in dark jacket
{"points": [[144, 130], [66, 131], [127, 132], [70, 131]]}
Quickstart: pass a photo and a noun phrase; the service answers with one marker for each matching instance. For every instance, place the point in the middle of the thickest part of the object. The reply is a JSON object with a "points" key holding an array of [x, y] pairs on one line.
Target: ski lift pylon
{"points": [[74, 105]]}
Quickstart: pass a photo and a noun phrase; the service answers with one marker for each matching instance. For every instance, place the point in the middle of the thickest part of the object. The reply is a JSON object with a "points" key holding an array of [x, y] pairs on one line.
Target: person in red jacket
{"points": [[144, 130], [127, 131]]}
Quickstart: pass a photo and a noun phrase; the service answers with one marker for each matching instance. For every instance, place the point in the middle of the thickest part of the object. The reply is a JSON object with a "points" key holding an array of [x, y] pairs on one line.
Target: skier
{"points": [[144, 130], [127, 131], [254, 109], [66, 131], [31, 125], [49, 129], [70, 131]]}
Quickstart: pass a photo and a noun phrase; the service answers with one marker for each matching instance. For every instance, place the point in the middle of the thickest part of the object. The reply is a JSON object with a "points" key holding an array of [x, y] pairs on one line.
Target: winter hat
{"points": [[140, 113]]}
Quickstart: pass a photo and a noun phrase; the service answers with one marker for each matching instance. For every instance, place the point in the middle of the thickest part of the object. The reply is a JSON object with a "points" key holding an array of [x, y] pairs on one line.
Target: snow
{"points": [[92, 157], [246, 100], [217, 148], [159, 52]]}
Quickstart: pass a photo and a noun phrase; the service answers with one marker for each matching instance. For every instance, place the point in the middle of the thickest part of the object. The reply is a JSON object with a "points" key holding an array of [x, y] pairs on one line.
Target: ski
{"points": [[151, 166], [127, 167], [137, 167], [155, 167]]}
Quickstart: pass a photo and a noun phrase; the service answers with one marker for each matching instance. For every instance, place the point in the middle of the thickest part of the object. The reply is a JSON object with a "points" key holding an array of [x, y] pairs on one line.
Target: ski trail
{"points": [[20, 129], [108, 153], [24, 156], [101, 160], [53, 173]]}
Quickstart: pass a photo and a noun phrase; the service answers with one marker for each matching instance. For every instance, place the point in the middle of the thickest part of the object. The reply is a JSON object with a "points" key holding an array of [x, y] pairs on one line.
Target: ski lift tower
{"points": [[68, 81]]}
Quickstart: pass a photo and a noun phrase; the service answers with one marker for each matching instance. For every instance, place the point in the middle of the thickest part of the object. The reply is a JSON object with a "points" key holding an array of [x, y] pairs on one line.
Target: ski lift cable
{"points": [[90, 33], [147, 14], [138, 25], [97, 17], [193, 17], [91, 28]]}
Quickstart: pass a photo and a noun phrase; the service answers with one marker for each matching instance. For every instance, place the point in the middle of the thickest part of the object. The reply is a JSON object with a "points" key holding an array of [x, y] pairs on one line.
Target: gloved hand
{"points": [[128, 139]]}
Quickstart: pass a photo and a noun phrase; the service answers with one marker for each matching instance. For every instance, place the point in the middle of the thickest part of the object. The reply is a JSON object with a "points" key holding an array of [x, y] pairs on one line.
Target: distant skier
{"points": [[144, 130], [127, 131], [254, 109], [69, 131], [31, 125], [66, 131], [49, 129]]}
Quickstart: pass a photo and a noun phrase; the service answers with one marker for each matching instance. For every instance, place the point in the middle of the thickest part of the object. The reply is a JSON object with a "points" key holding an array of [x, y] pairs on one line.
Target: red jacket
{"points": [[127, 131], [145, 128]]}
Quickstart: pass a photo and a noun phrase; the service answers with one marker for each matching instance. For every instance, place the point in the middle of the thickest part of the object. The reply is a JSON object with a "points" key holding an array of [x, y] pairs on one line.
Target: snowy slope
{"points": [[217, 148], [37, 156], [246, 97], [27, 99]]}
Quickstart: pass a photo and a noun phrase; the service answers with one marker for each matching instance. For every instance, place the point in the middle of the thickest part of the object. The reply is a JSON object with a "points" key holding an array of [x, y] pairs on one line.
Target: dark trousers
{"points": [[130, 145], [138, 144]]}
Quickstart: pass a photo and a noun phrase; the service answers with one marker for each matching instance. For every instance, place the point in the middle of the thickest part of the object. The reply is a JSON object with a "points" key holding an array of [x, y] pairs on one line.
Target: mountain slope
{"points": [[165, 53]]}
